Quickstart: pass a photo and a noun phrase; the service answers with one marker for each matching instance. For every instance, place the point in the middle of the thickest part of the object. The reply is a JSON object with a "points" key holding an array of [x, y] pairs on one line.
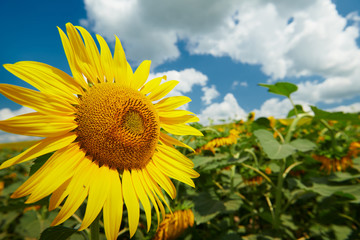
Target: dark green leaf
{"points": [[281, 88], [39, 162], [271, 146], [341, 232], [338, 116], [206, 207], [57, 233]]}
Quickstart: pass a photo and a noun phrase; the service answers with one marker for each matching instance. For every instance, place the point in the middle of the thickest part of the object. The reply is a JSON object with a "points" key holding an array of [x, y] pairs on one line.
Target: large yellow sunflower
{"points": [[106, 128]]}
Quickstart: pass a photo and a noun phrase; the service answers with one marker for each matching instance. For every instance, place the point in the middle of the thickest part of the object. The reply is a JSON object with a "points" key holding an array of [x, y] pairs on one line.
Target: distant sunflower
{"points": [[104, 127]]}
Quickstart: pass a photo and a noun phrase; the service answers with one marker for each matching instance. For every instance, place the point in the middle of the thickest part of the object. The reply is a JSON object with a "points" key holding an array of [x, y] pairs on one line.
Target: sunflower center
{"points": [[117, 126]]}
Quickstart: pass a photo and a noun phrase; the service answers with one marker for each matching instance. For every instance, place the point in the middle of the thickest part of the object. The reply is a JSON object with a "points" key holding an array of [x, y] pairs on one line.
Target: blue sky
{"points": [[218, 50]]}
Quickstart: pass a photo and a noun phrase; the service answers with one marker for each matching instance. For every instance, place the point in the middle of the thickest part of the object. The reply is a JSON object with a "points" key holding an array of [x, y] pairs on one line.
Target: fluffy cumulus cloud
{"points": [[6, 113], [286, 38], [187, 78], [227, 110], [210, 93]]}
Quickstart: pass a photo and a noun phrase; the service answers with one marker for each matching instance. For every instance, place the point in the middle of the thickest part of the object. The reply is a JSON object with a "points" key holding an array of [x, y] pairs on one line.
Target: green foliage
{"points": [[294, 178], [281, 88]]}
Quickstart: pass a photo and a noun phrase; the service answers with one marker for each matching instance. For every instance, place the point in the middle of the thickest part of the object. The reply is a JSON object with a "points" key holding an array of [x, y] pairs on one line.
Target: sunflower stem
{"points": [[95, 229]]}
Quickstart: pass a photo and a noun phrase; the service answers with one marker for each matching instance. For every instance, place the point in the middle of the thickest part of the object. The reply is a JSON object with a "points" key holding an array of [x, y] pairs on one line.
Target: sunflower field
{"points": [[260, 178]]}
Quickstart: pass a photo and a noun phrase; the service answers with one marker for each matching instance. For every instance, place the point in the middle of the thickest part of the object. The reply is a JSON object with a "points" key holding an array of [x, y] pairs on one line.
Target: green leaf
{"points": [[303, 145], [298, 108], [272, 147], [338, 116], [206, 207], [343, 190], [341, 232], [57, 233], [39, 162], [342, 176], [281, 88]]}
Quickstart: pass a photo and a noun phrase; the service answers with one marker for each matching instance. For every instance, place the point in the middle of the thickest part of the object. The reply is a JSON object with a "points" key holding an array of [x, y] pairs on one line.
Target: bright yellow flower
{"points": [[222, 141], [103, 125], [174, 225]]}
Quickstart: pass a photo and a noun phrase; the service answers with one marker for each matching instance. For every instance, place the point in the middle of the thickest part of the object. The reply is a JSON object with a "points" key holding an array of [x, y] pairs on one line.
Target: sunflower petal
{"points": [[58, 195], [141, 74], [161, 179], [37, 124], [40, 148], [46, 79], [69, 52], [120, 64], [98, 192], [92, 54], [106, 60], [149, 194], [179, 120], [170, 141], [41, 102], [181, 129], [131, 202], [171, 103], [162, 90], [113, 207], [57, 169], [175, 155], [78, 190], [142, 196]]}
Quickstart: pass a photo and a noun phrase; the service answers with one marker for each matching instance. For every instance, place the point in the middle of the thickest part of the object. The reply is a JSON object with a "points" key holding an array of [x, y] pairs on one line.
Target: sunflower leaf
{"points": [[272, 147], [57, 233], [281, 88]]}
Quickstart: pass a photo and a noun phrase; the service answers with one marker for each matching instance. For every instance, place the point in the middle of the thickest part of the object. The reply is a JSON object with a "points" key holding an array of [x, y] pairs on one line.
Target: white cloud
{"points": [[237, 83], [352, 108], [278, 108], [6, 113], [286, 38], [228, 109], [210, 93]]}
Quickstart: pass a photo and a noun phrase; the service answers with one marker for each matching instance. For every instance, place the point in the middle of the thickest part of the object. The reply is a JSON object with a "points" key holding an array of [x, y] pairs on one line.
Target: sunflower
{"points": [[107, 127]]}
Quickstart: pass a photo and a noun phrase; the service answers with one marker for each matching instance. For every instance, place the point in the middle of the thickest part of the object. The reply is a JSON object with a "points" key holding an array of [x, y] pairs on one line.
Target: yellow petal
{"points": [[179, 120], [141, 74], [175, 170], [171, 103], [69, 52], [149, 194], [181, 129], [156, 191], [57, 169], [41, 102], [46, 79], [106, 60], [37, 124], [169, 141], [174, 155], [58, 195], [98, 192], [162, 90], [131, 202], [113, 207], [93, 55], [78, 190], [40, 148], [174, 113], [140, 192], [120, 64], [161, 179], [151, 85]]}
